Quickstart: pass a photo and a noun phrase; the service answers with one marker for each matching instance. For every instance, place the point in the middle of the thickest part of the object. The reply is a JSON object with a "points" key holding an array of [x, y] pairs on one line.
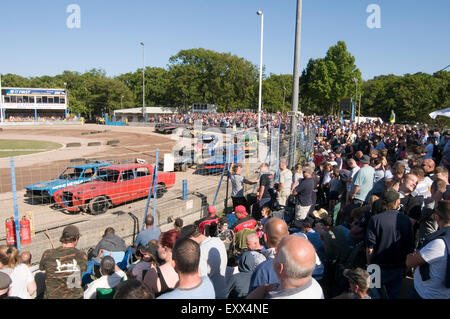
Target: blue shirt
{"points": [[145, 236], [381, 146], [263, 274], [315, 240], [429, 149], [203, 291], [231, 220]]}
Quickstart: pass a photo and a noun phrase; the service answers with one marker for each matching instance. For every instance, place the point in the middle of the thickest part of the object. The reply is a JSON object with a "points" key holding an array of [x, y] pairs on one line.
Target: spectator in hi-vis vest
{"points": [[392, 119]]}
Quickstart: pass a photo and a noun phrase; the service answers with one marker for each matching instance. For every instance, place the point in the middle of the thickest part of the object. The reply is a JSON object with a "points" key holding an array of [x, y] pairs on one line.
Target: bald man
{"points": [[253, 242], [275, 230], [294, 264]]}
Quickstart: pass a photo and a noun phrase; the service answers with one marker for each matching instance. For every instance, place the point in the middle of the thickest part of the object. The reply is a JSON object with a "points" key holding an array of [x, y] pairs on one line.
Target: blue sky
{"points": [[35, 40]]}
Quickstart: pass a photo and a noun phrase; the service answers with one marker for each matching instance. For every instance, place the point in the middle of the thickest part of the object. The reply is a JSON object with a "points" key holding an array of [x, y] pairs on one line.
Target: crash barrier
{"points": [[113, 142], [73, 145], [114, 123], [94, 144]]}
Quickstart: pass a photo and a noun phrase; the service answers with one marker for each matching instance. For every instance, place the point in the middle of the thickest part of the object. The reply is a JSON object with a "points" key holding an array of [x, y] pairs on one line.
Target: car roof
{"points": [[87, 166], [127, 166]]}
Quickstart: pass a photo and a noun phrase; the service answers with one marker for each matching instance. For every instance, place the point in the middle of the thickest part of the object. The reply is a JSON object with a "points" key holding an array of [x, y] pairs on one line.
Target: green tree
{"points": [[199, 75], [326, 81], [277, 91]]}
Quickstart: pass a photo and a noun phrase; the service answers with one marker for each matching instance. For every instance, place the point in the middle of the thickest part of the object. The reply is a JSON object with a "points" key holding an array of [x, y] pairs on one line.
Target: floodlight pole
{"points": [[143, 80], [295, 80], [260, 71]]}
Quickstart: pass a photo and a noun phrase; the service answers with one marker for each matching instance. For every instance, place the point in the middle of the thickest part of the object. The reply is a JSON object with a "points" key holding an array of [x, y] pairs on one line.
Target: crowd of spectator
{"points": [[367, 210], [52, 118]]}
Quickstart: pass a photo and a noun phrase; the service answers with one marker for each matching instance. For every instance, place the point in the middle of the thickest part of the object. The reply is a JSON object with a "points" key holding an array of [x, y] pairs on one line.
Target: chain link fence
{"points": [[122, 180]]}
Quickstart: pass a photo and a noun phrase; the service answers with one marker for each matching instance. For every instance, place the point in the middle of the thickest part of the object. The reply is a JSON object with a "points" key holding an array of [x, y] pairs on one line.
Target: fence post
{"points": [[152, 186], [16, 211], [155, 188], [185, 195], [295, 149]]}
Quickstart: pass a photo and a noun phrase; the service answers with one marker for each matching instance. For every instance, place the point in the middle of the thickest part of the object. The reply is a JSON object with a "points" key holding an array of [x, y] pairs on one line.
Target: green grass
{"points": [[14, 154], [10, 148]]}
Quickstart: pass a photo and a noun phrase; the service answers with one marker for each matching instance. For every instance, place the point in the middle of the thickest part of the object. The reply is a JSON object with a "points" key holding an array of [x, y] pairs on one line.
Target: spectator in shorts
{"points": [[303, 192], [285, 183]]}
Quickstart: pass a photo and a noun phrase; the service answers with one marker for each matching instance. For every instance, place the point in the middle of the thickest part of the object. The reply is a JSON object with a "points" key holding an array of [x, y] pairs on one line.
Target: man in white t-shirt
{"points": [[213, 258], [285, 183], [432, 275], [112, 275]]}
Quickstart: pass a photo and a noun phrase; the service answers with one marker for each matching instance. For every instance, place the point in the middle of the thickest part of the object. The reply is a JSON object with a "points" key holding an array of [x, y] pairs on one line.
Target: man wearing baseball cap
{"points": [[244, 220], [208, 225], [63, 267]]}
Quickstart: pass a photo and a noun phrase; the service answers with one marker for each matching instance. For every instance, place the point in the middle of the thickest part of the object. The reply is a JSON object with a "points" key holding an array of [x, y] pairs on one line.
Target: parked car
{"points": [[165, 128], [45, 191], [183, 159], [114, 185], [206, 144], [216, 163], [250, 144]]}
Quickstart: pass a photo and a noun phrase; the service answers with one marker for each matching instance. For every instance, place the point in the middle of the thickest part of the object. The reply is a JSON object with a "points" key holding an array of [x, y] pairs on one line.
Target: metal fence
{"points": [[116, 182]]}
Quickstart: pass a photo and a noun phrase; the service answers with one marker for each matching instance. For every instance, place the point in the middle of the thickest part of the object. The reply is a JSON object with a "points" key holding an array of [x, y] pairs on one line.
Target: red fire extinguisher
{"points": [[25, 231], [10, 231]]}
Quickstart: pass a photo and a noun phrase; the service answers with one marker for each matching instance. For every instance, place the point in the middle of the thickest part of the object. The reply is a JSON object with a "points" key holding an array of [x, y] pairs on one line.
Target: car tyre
{"points": [[160, 190], [99, 205]]}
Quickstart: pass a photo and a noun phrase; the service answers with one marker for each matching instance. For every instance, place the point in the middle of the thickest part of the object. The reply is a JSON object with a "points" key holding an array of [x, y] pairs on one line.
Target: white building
{"points": [[32, 103], [135, 114]]}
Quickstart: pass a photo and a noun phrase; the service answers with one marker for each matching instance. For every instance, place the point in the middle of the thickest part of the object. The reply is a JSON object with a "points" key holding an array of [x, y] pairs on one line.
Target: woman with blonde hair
{"points": [[23, 284]]}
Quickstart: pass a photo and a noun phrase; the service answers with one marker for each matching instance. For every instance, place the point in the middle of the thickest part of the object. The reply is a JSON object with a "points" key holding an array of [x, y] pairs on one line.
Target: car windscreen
{"points": [[71, 173], [108, 175]]}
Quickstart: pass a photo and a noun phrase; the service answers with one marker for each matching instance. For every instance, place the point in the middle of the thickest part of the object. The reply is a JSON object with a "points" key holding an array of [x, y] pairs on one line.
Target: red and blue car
{"points": [[114, 185]]}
